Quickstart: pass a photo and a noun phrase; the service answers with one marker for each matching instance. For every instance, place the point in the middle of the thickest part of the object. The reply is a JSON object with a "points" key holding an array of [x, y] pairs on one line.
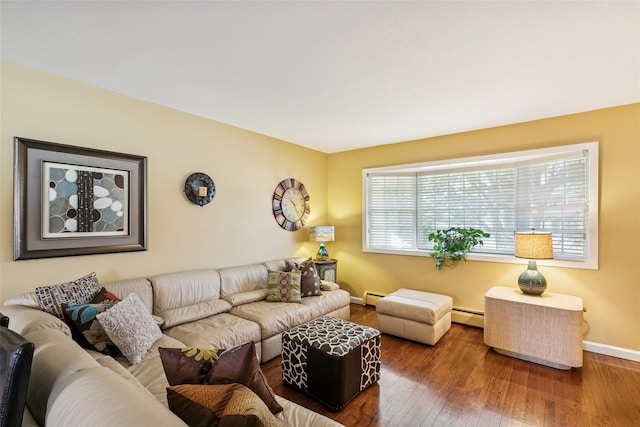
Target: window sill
{"points": [[506, 259]]}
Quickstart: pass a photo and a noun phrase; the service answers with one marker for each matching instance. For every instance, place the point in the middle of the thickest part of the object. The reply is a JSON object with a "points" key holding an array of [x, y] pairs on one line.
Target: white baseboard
{"points": [[609, 350], [356, 300], [474, 319]]}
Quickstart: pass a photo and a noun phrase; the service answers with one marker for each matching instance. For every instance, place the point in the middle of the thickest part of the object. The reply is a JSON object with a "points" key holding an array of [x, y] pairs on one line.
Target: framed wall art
{"points": [[72, 200]]}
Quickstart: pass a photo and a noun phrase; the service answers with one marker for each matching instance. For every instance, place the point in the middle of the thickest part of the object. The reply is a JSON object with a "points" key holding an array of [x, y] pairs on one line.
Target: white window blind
{"points": [[392, 211], [553, 196], [476, 198], [547, 189]]}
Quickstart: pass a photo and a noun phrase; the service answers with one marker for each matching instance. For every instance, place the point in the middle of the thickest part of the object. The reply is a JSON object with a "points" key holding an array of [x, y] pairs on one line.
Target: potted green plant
{"points": [[453, 244]]}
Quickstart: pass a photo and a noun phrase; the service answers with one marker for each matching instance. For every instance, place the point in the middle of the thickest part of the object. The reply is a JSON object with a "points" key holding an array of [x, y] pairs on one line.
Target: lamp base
{"points": [[531, 281], [322, 254]]}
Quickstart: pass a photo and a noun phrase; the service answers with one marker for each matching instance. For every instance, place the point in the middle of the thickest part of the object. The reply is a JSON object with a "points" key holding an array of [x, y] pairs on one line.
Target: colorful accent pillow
{"points": [[79, 291], [214, 366], [85, 328], [219, 405], [131, 327], [310, 284], [284, 286]]}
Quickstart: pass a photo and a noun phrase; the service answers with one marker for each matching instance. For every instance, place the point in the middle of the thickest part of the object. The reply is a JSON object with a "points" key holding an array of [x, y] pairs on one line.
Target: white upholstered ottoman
{"points": [[415, 315]]}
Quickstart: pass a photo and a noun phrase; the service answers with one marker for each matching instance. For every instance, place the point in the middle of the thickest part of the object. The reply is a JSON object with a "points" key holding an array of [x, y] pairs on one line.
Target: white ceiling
{"points": [[334, 75]]}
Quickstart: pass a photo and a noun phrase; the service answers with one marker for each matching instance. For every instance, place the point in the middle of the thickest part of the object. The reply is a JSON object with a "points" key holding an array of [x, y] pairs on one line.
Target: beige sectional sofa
{"points": [[220, 308]]}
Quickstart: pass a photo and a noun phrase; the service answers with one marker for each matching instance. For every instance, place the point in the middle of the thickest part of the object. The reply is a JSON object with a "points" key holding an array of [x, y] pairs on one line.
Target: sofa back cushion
{"points": [[140, 287], [187, 296], [246, 278]]}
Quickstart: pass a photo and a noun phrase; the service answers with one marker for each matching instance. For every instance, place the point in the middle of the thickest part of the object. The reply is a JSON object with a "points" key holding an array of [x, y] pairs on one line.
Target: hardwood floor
{"points": [[462, 382]]}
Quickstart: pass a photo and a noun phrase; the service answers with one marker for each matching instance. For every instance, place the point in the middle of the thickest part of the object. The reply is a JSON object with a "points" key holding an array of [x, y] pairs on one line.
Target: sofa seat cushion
{"points": [[111, 363], [149, 371], [273, 317], [327, 302], [219, 331]]}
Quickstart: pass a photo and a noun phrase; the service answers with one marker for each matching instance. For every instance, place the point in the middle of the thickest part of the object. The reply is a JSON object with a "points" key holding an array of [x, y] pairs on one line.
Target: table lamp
{"points": [[533, 246], [322, 233]]}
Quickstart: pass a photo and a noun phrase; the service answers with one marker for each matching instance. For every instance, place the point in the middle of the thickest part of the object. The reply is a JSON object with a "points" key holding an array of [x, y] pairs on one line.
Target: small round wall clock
{"points": [[290, 204]]}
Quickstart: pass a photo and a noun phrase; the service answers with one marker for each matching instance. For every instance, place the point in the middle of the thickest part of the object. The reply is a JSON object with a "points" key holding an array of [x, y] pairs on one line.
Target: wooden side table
{"points": [[327, 269], [545, 329]]}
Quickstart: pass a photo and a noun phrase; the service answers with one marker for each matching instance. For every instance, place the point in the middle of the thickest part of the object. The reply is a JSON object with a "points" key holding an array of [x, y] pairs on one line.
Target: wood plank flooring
{"points": [[462, 382]]}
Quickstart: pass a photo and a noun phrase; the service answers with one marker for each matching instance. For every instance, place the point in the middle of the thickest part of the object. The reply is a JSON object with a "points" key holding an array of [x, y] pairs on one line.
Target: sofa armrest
{"points": [[25, 319], [102, 398], [329, 286]]}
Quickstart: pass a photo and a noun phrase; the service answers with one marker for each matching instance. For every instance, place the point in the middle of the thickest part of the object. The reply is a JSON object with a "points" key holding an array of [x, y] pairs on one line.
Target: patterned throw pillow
{"points": [[85, 328], [284, 286], [219, 405], [310, 284], [188, 365], [79, 291], [131, 327], [214, 366]]}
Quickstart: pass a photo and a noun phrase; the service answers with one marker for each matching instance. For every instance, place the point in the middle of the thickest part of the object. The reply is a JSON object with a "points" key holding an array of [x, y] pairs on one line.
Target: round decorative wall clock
{"points": [[290, 204]]}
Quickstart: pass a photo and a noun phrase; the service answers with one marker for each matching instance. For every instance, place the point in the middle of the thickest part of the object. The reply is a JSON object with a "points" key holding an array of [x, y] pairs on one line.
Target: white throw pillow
{"points": [[131, 327]]}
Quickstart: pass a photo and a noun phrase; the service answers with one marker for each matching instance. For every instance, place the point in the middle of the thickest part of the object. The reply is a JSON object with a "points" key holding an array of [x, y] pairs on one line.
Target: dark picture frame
{"points": [[35, 161]]}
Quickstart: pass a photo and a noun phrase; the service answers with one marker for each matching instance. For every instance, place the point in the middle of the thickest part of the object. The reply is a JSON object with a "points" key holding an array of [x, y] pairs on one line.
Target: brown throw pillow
{"points": [[219, 405], [188, 365], [213, 366], [310, 284]]}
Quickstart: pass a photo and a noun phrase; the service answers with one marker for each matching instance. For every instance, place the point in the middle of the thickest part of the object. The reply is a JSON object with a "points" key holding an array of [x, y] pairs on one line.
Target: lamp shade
{"points": [[322, 233], [533, 245]]}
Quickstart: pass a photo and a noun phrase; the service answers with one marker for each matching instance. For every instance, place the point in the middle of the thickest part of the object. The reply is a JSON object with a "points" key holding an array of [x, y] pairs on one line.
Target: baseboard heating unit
{"points": [[372, 297], [467, 316]]}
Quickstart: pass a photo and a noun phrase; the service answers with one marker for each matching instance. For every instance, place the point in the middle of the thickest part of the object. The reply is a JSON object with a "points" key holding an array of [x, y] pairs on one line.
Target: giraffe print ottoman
{"points": [[331, 359]]}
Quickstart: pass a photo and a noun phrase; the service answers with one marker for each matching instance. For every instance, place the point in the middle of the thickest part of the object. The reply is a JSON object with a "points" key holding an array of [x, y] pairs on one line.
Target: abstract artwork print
{"points": [[82, 201]]}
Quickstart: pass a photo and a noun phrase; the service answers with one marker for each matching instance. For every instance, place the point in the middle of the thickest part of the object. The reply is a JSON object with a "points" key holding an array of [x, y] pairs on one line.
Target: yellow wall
{"points": [[236, 228], [610, 294]]}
